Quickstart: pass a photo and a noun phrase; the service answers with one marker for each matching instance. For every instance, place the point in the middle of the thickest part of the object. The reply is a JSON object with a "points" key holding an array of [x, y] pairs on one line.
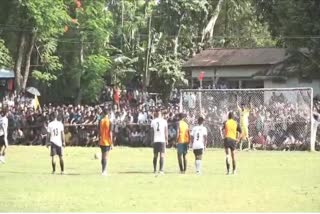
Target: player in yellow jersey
{"points": [[183, 140], [105, 141], [231, 135], [244, 124]]}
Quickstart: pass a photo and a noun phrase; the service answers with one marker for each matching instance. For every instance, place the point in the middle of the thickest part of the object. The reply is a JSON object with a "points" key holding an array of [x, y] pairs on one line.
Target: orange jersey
{"points": [[183, 132], [105, 136]]}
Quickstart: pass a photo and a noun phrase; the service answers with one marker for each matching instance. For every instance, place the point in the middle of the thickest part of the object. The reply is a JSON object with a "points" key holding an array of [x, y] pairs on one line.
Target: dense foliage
{"points": [[71, 48]]}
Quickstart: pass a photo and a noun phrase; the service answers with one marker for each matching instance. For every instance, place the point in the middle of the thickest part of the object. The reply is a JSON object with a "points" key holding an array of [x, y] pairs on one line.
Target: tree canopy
{"points": [[72, 48]]}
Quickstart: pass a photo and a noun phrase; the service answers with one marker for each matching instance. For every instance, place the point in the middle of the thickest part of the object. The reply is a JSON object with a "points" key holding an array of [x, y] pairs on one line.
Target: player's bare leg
{"points": [[2, 153], [184, 163], [233, 162], [227, 160], [61, 164], [179, 155], [53, 163], [161, 162], [240, 144], [104, 158], [249, 143], [155, 159]]}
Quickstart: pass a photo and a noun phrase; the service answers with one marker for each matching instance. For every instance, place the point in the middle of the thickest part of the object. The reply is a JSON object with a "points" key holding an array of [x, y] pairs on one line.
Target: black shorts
{"points": [[198, 152], [56, 150], [105, 149], [2, 141], [159, 147], [182, 148], [229, 143]]}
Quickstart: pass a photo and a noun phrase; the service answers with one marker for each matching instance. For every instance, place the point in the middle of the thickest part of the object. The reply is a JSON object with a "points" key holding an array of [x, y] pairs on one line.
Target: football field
{"points": [[266, 181]]}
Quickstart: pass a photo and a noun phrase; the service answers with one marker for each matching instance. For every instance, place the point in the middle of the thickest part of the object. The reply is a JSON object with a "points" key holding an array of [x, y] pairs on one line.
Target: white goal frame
{"points": [[312, 142]]}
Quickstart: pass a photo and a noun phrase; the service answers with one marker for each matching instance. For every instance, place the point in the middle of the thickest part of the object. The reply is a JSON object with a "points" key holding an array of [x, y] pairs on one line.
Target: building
{"points": [[247, 68], [6, 81]]}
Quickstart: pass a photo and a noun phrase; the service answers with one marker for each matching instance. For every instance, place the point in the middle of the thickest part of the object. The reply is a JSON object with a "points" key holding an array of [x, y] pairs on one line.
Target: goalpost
{"points": [[281, 116]]}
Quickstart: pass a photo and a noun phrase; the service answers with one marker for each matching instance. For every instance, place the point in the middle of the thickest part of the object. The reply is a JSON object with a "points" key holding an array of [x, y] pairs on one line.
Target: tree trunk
{"points": [[19, 60], [28, 60], [122, 23], [147, 55], [212, 22], [176, 43], [79, 91], [176, 38], [226, 25]]}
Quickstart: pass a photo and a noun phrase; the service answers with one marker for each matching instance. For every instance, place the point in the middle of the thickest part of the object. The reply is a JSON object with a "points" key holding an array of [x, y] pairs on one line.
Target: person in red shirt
{"points": [[116, 96]]}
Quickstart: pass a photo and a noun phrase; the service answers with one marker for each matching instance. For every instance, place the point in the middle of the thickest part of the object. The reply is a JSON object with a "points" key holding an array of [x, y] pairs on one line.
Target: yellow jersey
{"points": [[231, 128], [184, 136], [244, 117]]}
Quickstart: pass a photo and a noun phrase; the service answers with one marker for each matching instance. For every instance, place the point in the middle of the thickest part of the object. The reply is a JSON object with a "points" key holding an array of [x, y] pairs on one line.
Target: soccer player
{"points": [[315, 120], [244, 123], [3, 135], [231, 129], [183, 140], [55, 139], [199, 142], [159, 127], [105, 141]]}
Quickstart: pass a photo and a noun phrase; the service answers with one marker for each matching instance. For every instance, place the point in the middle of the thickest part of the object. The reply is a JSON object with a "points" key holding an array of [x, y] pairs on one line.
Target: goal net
{"points": [[278, 119]]}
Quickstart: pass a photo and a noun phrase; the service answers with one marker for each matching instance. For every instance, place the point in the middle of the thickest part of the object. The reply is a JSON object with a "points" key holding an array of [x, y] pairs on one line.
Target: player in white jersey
{"points": [[315, 119], [55, 139], [3, 135], [199, 142], [159, 127]]}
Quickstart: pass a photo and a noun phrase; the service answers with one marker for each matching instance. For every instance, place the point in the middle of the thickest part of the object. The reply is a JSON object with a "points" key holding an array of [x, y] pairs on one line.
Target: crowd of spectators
{"points": [[278, 124], [132, 111]]}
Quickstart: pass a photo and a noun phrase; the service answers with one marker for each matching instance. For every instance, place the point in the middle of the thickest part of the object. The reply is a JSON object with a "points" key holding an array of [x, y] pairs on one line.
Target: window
{"points": [[279, 80], [306, 79]]}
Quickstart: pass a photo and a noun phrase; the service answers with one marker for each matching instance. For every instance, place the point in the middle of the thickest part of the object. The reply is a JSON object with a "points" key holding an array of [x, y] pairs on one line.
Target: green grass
{"points": [[266, 181]]}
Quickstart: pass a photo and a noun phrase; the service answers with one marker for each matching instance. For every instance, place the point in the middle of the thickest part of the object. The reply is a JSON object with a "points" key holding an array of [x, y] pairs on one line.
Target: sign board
{"points": [[201, 75]]}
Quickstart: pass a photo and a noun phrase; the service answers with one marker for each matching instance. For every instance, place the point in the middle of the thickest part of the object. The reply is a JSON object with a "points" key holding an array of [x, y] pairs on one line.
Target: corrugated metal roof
{"points": [[233, 57], [6, 74]]}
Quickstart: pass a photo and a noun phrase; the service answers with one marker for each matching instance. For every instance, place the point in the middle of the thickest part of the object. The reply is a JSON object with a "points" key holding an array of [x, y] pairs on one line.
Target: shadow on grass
{"points": [[142, 172], [135, 172], [37, 173]]}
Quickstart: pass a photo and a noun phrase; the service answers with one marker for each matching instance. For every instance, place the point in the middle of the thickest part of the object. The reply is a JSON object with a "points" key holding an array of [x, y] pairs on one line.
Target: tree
{"points": [[295, 24], [88, 39], [44, 21], [250, 34], [5, 57]]}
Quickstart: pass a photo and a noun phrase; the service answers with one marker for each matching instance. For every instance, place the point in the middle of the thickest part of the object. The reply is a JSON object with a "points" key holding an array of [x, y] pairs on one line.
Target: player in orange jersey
{"points": [[105, 141]]}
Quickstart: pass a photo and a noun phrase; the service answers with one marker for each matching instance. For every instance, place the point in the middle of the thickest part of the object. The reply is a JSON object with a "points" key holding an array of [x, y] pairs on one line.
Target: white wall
{"points": [[293, 96], [229, 71], [294, 82]]}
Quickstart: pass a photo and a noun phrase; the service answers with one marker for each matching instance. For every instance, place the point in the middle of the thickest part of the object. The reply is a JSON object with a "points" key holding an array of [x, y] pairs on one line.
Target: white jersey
{"points": [[3, 126], [159, 126], [55, 128], [198, 133]]}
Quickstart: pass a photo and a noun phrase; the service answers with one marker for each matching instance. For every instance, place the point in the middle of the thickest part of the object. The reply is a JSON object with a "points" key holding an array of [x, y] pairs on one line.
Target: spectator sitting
{"points": [[17, 136], [259, 141]]}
